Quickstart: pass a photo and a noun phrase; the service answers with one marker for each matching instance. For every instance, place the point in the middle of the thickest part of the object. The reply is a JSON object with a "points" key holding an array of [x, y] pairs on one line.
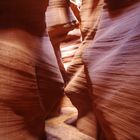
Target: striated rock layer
{"points": [[30, 85], [113, 65]]}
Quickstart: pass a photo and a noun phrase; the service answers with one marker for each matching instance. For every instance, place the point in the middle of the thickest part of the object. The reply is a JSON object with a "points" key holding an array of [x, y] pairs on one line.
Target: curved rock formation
{"points": [[113, 65]]}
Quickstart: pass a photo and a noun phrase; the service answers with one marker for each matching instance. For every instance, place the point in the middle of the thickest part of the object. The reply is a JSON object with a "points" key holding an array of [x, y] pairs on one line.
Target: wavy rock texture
{"points": [[78, 89], [60, 20], [113, 64], [90, 14], [31, 85], [57, 129]]}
